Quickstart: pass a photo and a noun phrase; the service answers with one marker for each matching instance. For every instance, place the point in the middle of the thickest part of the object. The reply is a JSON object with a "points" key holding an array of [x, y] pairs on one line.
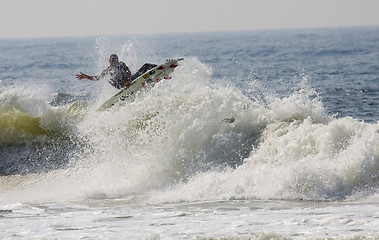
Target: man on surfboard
{"points": [[120, 75]]}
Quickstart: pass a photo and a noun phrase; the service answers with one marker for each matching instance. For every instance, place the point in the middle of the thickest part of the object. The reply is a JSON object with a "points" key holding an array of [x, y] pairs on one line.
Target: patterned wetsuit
{"points": [[117, 75]]}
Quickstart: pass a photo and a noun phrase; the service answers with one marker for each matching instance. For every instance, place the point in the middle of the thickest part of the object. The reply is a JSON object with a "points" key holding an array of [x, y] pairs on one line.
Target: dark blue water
{"points": [[341, 64]]}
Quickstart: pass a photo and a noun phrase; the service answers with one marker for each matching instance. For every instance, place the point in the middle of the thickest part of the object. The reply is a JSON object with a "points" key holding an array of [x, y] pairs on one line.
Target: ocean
{"points": [[258, 135]]}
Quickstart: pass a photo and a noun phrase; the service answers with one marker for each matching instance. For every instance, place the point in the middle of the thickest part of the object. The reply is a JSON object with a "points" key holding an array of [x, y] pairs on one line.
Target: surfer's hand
{"points": [[81, 76], [127, 84]]}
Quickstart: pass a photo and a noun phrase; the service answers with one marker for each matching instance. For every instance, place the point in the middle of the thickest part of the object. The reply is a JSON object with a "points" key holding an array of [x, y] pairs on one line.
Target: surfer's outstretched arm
{"points": [[82, 76]]}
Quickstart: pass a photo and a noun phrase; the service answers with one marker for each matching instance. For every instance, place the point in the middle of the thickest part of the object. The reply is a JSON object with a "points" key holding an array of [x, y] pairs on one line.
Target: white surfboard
{"points": [[147, 79]]}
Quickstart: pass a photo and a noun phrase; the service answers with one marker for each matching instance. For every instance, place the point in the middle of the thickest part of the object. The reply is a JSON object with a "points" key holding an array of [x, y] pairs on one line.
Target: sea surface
{"points": [[257, 135]]}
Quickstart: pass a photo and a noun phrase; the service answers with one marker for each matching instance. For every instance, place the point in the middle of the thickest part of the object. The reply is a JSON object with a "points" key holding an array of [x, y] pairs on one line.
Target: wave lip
{"points": [[34, 136]]}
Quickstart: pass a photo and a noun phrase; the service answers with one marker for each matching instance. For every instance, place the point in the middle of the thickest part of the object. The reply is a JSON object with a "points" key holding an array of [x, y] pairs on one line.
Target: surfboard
{"points": [[147, 79]]}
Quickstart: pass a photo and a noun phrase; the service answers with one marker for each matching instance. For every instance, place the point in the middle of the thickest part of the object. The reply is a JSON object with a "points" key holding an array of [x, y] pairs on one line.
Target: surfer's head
{"points": [[113, 59]]}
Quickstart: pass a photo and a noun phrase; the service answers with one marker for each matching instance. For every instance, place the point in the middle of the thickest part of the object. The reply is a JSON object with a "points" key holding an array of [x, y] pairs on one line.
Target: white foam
{"points": [[188, 139]]}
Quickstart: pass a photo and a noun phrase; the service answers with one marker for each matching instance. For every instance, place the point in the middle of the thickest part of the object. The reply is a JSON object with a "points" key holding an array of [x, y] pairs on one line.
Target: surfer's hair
{"points": [[113, 58]]}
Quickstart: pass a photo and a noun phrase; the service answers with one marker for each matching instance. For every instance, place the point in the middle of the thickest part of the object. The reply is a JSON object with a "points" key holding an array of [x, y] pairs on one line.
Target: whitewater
{"points": [[257, 135]]}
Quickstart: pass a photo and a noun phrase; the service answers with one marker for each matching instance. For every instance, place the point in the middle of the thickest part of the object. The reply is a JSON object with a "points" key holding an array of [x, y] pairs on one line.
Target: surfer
{"points": [[120, 75]]}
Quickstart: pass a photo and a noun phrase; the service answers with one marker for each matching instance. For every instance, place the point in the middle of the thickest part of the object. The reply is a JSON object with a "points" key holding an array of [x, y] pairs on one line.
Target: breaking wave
{"points": [[187, 139]]}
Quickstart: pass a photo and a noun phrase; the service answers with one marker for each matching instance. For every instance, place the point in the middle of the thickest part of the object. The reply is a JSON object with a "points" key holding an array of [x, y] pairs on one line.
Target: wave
{"points": [[34, 136], [189, 139]]}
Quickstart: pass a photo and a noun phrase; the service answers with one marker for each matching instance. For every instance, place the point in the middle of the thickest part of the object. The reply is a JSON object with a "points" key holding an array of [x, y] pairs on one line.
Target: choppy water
{"points": [[265, 134]]}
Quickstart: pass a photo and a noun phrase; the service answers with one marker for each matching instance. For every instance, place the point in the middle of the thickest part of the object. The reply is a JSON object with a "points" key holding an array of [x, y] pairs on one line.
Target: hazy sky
{"points": [[51, 18]]}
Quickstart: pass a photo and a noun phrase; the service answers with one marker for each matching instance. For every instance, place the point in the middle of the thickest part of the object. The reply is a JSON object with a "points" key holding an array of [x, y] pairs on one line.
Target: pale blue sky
{"points": [[55, 18]]}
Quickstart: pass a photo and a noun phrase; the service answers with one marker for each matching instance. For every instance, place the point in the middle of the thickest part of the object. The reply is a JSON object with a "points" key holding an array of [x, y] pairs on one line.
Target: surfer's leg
{"points": [[146, 67], [143, 69]]}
